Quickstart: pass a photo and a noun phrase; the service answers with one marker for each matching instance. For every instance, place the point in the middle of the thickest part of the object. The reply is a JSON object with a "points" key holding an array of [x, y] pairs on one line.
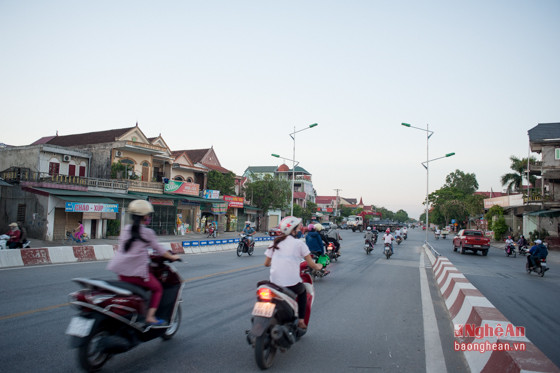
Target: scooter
{"points": [[523, 250], [274, 318], [245, 245], [322, 259], [510, 250], [387, 250], [399, 240], [368, 247], [212, 232], [540, 267], [111, 317], [331, 253], [405, 235]]}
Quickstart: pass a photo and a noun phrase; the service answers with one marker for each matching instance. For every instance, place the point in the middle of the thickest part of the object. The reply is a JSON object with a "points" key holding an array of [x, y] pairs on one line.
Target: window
{"points": [[178, 178], [83, 171], [557, 154], [54, 168], [190, 180], [21, 213], [72, 170]]}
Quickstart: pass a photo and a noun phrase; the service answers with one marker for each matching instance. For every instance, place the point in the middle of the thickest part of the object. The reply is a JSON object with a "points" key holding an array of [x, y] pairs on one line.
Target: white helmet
{"points": [[140, 207], [368, 228], [288, 224], [318, 227], [538, 242]]}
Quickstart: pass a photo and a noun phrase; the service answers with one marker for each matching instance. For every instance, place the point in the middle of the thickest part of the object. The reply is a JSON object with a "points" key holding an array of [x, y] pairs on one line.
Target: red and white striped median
{"points": [[489, 341]]}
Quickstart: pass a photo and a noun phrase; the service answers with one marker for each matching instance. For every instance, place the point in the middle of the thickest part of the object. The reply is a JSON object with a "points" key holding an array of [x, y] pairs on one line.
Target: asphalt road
{"points": [[368, 316], [526, 300]]}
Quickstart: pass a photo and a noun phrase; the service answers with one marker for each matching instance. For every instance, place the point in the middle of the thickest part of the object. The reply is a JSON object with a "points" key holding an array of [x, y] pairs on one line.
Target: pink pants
{"points": [[153, 285]]}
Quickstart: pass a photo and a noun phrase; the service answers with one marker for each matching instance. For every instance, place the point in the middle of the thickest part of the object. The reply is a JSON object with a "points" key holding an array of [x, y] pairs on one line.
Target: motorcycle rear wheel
{"points": [[90, 356], [173, 325], [264, 351]]}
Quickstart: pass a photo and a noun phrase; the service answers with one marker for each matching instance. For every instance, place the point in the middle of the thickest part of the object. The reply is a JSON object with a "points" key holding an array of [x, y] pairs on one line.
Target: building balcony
{"points": [[145, 186], [535, 195]]}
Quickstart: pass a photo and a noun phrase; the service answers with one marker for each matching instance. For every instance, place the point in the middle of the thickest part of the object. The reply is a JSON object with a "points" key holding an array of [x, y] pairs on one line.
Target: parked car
{"points": [[473, 240], [326, 225], [274, 231]]}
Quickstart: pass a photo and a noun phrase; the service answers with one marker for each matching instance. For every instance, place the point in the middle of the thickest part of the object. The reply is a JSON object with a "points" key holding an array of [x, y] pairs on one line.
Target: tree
{"points": [[495, 210], [268, 193], [401, 216], [514, 180], [462, 182], [225, 183]]}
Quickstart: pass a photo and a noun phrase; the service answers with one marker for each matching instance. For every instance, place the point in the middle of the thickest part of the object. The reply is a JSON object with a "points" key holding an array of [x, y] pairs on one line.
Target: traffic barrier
{"points": [[470, 310], [85, 253]]}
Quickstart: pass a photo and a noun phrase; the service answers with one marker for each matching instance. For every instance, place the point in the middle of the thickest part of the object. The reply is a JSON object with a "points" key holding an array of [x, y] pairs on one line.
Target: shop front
{"points": [[234, 204]]}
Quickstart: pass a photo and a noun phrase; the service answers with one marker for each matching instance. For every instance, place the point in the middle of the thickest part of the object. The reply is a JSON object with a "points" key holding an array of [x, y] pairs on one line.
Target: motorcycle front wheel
{"points": [[250, 250], [264, 351], [90, 355], [239, 249], [173, 325]]}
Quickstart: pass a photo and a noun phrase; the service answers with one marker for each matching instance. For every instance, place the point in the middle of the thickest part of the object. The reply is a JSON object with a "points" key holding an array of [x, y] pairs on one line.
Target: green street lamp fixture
{"points": [[293, 136]]}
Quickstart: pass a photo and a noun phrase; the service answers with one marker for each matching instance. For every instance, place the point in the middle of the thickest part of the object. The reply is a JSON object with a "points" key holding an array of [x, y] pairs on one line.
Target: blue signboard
{"points": [[211, 242], [230, 240], [203, 243], [186, 243], [195, 243], [91, 207]]}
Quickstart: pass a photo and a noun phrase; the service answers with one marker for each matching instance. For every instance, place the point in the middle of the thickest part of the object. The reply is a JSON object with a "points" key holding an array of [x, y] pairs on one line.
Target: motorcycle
{"points": [[212, 232], [387, 250], [540, 267], [368, 247], [436, 236], [510, 250], [245, 245], [405, 235], [523, 250], [274, 318], [331, 253], [111, 317], [399, 240], [322, 259]]}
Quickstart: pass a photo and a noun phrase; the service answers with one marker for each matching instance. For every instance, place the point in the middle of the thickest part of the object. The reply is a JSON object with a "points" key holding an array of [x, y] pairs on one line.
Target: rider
{"points": [[369, 236], [283, 258], [398, 234], [319, 228], [15, 236], [388, 238], [539, 251], [509, 242], [132, 260], [405, 231], [313, 240], [248, 231], [334, 237], [437, 232], [522, 242]]}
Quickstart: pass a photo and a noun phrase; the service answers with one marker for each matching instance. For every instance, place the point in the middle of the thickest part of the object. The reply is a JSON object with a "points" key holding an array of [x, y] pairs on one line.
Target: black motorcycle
{"points": [[245, 245]]}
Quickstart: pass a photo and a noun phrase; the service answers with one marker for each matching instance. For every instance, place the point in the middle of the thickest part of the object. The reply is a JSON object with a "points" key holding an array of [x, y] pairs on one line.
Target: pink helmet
{"points": [[388, 230], [310, 227], [288, 224]]}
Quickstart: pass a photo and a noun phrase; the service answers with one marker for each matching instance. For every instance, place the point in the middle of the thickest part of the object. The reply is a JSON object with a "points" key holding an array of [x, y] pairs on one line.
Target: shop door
{"points": [[94, 228], [59, 229]]}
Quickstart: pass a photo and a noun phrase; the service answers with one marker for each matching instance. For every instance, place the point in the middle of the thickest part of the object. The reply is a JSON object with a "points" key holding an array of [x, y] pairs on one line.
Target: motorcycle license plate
{"points": [[264, 309], [79, 326]]}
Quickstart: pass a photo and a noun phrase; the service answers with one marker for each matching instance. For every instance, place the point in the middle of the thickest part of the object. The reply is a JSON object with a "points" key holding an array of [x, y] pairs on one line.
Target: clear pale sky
{"points": [[239, 75]]}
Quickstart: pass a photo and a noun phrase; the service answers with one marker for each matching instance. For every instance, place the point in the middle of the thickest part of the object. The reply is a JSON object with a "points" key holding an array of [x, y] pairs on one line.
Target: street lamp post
{"points": [[293, 136], [426, 165]]}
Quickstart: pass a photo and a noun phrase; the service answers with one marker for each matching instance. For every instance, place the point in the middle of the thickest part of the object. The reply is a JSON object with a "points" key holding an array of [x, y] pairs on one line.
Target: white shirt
{"points": [[404, 230], [397, 232], [284, 265], [387, 238]]}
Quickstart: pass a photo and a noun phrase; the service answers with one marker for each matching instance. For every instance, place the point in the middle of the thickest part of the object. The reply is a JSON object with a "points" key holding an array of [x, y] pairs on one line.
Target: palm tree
{"points": [[514, 180]]}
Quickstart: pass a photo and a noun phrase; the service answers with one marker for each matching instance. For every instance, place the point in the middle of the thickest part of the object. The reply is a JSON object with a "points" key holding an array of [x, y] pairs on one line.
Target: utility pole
{"points": [[336, 203]]}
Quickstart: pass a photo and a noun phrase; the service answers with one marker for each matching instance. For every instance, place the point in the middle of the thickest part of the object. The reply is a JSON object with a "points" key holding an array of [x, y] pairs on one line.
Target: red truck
{"points": [[473, 240]]}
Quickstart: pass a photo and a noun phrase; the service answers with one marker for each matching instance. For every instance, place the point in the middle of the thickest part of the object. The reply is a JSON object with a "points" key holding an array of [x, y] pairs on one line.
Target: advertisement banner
{"points": [[219, 208], [91, 207], [161, 202], [181, 187], [235, 202], [211, 194]]}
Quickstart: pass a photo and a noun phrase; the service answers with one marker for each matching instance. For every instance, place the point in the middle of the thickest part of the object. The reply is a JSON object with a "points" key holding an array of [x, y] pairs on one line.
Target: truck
{"points": [[472, 240], [355, 222]]}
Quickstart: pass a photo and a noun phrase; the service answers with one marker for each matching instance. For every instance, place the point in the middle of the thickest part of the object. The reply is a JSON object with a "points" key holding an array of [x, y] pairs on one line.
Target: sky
{"points": [[242, 75]]}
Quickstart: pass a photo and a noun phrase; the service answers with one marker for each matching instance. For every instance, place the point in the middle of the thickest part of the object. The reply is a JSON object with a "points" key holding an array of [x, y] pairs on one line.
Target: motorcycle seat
{"points": [[135, 289], [279, 288]]}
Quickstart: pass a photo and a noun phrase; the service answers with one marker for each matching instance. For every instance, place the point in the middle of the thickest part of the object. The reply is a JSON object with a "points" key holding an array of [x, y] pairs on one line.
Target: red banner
{"points": [[235, 202]]}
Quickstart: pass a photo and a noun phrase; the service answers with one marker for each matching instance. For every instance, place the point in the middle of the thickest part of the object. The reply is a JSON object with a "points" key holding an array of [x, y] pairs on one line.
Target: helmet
{"points": [[538, 242], [140, 207], [310, 227], [368, 228], [247, 223], [509, 237], [318, 227], [288, 224], [388, 230]]}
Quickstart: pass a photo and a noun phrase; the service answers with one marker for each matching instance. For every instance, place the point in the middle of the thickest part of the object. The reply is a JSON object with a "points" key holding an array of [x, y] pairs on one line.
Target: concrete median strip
{"points": [[88, 253], [489, 341]]}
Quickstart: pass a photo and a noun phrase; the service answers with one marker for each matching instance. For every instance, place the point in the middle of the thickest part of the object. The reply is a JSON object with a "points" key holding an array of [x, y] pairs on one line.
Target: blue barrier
{"points": [[230, 240], [204, 243], [236, 240]]}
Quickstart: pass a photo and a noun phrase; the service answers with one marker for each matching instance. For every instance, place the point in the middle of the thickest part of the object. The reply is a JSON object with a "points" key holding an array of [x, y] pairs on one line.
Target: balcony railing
{"points": [[536, 195], [145, 186]]}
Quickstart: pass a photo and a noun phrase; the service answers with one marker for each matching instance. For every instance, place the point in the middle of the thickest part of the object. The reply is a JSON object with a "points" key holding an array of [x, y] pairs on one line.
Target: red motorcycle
{"points": [[111, 316], [275, 318]]}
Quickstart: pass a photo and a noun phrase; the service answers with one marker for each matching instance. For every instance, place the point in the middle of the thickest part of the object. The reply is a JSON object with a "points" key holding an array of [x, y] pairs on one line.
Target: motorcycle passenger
{"points": [[369, 236], [334, 237], [132, 259], [522, 242], [15, 236], [284, 256], [313, 241], [322, 233], [249, 231], [437, 233], [388, 238], [539, 251]]}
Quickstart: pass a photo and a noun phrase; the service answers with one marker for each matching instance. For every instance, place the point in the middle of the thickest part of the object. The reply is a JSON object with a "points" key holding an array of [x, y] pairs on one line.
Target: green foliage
{"points": [[514, 180], [113, 227], [495, 210], [401, 216], [268, 193], [500, 228], [465, 184], [118, 170], [225, 183], [345, 211], [538, 235]]}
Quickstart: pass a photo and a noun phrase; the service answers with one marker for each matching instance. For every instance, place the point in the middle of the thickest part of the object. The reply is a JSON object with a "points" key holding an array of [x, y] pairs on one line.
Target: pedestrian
{"points": [[15, 234]]}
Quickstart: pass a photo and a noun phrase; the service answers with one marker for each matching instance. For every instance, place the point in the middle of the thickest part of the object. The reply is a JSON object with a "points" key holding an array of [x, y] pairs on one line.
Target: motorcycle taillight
{"points": [[265, 295]]}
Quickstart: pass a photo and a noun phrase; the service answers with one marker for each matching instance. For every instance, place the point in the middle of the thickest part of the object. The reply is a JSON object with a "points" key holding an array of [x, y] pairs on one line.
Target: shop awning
{"points": [[86, 199], [545, 213], [70, 195]]}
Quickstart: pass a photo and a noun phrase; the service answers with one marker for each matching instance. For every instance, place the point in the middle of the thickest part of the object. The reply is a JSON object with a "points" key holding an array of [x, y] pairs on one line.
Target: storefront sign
{"points": [[211, 194], [219, 208], [235, 202], [161, 202], [91, 207], [181, 187]]}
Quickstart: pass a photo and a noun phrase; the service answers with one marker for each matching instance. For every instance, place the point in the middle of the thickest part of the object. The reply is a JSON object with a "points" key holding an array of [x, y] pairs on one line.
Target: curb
{"points": [[469, 307], [90, 253]]}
